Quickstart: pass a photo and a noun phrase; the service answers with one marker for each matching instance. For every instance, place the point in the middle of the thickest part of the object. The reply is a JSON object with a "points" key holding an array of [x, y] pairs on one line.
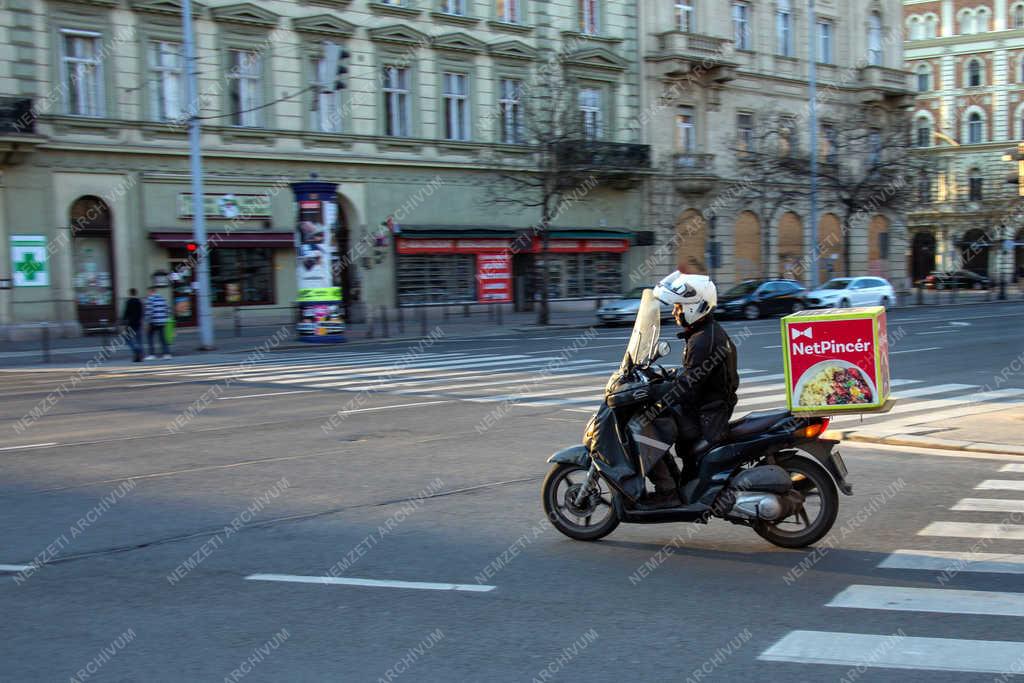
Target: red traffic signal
{"points": [[191, 246]]}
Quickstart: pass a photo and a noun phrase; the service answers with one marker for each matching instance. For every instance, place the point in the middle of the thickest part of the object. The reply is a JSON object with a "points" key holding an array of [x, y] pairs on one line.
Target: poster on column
{"points": [[494, 278], [318, 296]]}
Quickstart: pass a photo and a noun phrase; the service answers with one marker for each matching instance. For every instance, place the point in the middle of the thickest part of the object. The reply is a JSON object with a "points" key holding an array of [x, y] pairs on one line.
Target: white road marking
{"points": [[942, 561], [1012, 467], [1000, 485], [392, 407], [895, 652], [988, 505], [934, 389], [935, 600], [928, 348], [958, 323], [373, 583], [1008, 532], [938, 332], [274, 393], [15, 567], [29, 445]]}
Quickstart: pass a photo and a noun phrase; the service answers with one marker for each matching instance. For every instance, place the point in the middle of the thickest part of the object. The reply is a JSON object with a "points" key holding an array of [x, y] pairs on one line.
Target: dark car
{"points": [[958, 279], [751, 299]]}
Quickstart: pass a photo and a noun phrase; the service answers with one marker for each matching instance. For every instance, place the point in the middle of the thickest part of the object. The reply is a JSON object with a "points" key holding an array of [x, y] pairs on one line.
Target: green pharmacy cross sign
{"points": [[29, 260]]}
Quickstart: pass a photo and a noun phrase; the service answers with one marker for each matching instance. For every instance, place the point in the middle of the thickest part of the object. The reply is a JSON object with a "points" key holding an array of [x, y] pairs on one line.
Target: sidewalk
{"points": [[998, 431]]}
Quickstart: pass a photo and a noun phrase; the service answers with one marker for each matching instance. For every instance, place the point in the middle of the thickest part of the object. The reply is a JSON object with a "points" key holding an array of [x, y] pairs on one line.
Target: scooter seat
{"points": [[756, 422]]}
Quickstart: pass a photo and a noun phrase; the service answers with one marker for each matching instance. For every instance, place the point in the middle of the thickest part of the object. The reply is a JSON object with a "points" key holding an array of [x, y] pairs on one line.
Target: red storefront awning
{"points": [[181, 239]]}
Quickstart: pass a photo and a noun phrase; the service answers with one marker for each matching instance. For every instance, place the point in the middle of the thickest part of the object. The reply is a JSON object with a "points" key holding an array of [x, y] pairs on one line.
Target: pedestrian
{"points": [[132, 319], [157, 314]]}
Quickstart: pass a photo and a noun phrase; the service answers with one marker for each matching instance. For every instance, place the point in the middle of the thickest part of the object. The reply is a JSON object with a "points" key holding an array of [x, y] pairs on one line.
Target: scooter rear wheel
{"points": [[822, 498], [594, 519]]}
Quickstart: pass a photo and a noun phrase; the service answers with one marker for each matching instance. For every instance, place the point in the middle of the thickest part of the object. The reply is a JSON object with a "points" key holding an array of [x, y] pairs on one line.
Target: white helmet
{"points": [[697, 294]]}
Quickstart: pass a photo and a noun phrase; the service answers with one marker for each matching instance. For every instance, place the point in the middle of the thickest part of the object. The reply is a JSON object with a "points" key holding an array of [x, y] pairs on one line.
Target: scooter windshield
{"points": [[643, 343]]}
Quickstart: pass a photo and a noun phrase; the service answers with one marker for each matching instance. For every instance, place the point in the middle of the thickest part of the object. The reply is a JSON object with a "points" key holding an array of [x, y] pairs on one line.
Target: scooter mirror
{"points": [[664, 348]]}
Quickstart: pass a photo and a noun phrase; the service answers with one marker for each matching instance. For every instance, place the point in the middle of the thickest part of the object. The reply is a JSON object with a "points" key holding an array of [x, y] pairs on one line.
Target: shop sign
{"points": [[29, 263], [494, 278], [227, 206]]}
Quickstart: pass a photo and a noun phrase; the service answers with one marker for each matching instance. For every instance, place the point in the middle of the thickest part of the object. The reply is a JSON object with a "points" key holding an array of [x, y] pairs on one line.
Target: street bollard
{"points": [[238, 321], [423, 321], [465, 310], [383, 322], [920, 296], [499, 315], [46, 342]]}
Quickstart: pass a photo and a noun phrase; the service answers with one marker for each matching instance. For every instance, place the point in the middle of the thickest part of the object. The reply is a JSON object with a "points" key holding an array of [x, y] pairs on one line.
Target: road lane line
{"points": [[933, 600], [895, 652], [927, 348], [1000, 485], [1012, 467], [1007, 532], [988, 505], [48, 444], [15, 567], [953, 562], [275, 393], [373, 583], [400, 405]]}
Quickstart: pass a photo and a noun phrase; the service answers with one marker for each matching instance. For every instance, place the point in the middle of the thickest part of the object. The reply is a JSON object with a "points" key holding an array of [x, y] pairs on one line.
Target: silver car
{"points": [[624, 310]]}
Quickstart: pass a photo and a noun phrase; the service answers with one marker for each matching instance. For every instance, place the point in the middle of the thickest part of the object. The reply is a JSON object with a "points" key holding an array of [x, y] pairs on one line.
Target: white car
{"points": [[844, 292]]}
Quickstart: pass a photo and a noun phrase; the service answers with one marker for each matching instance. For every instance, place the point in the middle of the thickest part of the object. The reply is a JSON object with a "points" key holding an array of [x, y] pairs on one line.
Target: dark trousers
{"points": [[157, 329], [134, 334]]}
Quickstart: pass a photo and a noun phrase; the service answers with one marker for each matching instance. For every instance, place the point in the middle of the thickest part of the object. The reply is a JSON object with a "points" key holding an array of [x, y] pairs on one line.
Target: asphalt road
{"points": [[148, 529]]}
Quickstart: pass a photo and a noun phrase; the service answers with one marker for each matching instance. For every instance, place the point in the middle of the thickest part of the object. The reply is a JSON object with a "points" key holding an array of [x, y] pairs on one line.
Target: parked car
{"points": [[960, 279], [753, 298], [843, 292], [624, 310]]}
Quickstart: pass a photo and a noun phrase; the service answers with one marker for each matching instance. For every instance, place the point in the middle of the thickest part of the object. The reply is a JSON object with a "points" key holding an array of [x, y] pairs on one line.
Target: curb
{"points": [[925, 442]]}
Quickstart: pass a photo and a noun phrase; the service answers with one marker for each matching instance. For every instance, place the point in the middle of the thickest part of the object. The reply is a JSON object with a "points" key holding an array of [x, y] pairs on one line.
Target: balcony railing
{"points": [[894, 81], [604, 155], [680, 43], [16, 116], [686, 162]]}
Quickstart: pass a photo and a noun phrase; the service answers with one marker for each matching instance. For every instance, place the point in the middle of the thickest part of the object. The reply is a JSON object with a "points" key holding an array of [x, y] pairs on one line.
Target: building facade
{"points": [[713, 71], [967, 59], [95, 159]]}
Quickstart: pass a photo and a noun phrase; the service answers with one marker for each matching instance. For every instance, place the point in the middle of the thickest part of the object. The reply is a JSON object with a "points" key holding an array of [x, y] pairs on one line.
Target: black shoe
{"points": [[660, 501]]}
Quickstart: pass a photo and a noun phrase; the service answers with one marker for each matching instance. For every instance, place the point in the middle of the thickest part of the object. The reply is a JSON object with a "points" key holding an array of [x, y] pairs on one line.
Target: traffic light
{"points": [[191, 246], [1016, 176], [333, 64]]}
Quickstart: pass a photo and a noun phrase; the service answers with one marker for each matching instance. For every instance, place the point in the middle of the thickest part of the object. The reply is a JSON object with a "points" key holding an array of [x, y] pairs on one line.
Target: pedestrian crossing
{"points": [[903, 650], [555, 381]]}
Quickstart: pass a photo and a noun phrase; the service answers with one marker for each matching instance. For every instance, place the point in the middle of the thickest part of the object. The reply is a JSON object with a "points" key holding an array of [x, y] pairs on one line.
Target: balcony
{"points": [[879, 83], [604, 156], [17, 130], [694, 173], [679, 54]]}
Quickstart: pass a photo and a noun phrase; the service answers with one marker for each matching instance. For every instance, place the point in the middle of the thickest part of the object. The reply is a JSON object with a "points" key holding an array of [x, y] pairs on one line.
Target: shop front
{"points": [[507, 268]]}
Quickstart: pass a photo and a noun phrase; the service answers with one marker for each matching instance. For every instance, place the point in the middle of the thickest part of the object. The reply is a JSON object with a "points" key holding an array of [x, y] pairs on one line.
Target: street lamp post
{"points": [[813, 95]]}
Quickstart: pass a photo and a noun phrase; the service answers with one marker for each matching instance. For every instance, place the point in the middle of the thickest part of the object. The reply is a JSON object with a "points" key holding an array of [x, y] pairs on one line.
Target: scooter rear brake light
{"points": [[813, 430]]}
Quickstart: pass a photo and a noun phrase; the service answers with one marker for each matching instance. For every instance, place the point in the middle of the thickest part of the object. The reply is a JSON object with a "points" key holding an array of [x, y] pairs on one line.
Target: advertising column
{"points": [[319, 295]]}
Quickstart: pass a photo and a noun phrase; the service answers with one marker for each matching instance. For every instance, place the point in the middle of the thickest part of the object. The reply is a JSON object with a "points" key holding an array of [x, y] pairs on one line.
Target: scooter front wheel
{"points": [[588, 519]]}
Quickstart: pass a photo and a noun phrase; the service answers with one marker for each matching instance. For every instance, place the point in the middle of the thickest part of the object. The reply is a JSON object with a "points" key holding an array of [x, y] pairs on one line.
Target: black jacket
{"points": [[707, 382], [132, 313]]}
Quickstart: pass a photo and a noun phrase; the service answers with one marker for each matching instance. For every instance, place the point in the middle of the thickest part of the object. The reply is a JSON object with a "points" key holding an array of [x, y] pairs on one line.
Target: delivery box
{"points": [[836, 360]]}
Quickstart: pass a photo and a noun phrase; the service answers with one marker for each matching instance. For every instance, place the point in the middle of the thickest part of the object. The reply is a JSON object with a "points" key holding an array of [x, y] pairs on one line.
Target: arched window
{"points": [[924, 78], [981, 20], [931, 24], [975, 129], [923, 132], [975, 183], [916, 28], [966, 22], [924, 188], [974, 73], [1017, 16], [875, 39]]}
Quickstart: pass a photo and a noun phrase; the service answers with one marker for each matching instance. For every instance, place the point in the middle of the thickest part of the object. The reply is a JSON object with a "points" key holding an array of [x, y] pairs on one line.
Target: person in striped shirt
{"points": [[157, 314]]}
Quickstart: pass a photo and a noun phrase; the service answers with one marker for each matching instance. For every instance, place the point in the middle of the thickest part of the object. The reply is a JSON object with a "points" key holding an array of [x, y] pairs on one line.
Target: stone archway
{"points": [[747, 246], [691, 242], [878, 246], [791, 246], [922, 255], [830, 248]]}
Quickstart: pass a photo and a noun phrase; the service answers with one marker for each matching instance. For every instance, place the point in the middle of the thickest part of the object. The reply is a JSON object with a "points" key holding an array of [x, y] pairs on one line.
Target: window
{"points": [[82, 73], [787, 136], [924, 78], [439, 278], [916, 28], [590, 113], [1018, 17], [396, 102], [244, 82], [924, 132], [924, 188], [741, 25], [830, 137], [326, 115], [511, 111], [456, 7], [784, 28], [931, 23], [242, 277], [974, 185], [686, 131], [590, 11], [975, 129], [745, 132], [684, 16], [456, 106], [825, 42], [510, 11], [875, 56], [967, 22], [167, 85], [875, 147], [974, 73]]}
